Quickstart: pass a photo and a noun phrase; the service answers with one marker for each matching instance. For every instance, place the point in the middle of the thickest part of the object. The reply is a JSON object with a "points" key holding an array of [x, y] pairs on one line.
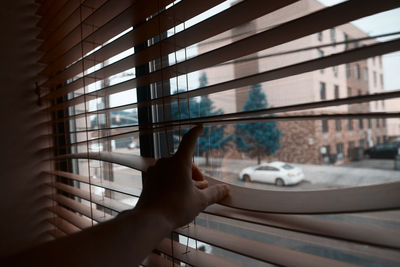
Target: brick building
{"points": [[313, 141]]}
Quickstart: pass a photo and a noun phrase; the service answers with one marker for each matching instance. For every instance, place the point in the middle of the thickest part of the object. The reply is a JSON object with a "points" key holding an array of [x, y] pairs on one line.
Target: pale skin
{"points": [[174, 192]]}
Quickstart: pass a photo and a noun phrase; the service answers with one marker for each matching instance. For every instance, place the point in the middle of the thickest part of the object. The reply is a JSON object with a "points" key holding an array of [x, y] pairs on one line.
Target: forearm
{"points": [[123, 241]]}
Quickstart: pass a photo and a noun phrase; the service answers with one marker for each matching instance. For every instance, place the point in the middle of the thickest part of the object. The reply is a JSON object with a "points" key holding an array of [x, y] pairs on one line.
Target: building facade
{"points": [[312, 141]]}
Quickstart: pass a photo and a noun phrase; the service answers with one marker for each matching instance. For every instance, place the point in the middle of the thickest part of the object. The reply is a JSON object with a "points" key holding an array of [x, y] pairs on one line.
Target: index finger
{"points": [[188, 143]]}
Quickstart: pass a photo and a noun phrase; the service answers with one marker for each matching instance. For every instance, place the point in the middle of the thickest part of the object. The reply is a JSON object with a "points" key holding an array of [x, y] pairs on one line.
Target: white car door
{"points": [[273, 173], [258, 174], [265, 174]]}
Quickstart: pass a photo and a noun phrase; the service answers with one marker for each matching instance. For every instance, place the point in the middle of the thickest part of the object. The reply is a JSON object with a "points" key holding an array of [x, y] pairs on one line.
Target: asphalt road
{"points": [[365, 172]]}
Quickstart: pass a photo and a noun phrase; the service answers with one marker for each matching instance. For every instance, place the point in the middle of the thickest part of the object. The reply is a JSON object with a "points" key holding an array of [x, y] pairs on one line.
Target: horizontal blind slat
{"points": [[71, 217], [64, 225], [155, 260], [58, 45], [295, 69], [360, 234], [257, 250], [185, 38], [102, 201], [65, 21], [63, 56], [278, 73], [135, 192], [56, 233], [103, 92], [133, 131], [272, 110], [330, 17], [83, 209], [194, 258], [143, 32], [59, 12]]}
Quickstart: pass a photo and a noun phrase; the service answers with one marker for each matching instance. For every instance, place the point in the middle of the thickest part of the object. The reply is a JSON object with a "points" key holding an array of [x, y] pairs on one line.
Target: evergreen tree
{"points": [[213, 137], [261, 138]]}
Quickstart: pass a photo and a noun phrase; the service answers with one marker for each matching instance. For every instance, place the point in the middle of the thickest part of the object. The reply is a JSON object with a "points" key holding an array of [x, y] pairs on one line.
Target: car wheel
{"points": [[246, 178], [279, 182]]}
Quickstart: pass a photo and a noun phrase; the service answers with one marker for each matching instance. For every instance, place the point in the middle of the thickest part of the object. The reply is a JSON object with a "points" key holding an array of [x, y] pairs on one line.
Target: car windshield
{"points": [[287, 166]]}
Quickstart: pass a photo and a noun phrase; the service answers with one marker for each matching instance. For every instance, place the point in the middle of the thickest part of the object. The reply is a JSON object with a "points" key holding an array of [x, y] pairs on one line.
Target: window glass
{"points": [[366, 74], [335, 71], [348, 71], [322, 90], [336, 88], [319, 36], [287, 166], [350, 124], [357, 71], [338, 125], [325, 126], [333, 36]]}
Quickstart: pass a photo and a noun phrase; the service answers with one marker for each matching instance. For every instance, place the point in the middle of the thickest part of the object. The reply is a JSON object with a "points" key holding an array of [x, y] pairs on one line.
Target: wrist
{"points": [[154, 217]]}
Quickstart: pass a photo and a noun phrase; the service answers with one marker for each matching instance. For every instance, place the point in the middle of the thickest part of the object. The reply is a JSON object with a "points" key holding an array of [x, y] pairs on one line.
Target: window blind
{"points": [[117, 73]]}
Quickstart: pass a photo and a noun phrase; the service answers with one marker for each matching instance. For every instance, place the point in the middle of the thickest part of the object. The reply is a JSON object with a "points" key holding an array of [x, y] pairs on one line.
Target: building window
{"points": [[320, 36], [369, 123], [339, 148], [321, 54], [360, 124], [336, 91], [338, 125], [335, 71], [350, 124], [377, 123], [333, 36], [325, 126], [374, 78], [348, 71], [357, 71], [384, 138], [322, 90], [384, 123], [351, 144], [378, 140], [348, 91], [381, 76], [359, 92], [366, 74], [361, 143], [346, 39]]}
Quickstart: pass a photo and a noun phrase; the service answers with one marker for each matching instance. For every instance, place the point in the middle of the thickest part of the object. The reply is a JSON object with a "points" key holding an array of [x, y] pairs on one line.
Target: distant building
{"points": [[308, 141]]}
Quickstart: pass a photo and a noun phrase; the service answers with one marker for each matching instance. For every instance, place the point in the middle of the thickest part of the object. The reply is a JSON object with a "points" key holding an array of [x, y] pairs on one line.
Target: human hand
{"points": [[175, 188]]}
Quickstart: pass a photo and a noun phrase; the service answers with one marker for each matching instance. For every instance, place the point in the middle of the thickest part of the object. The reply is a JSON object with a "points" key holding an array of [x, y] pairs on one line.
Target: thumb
{"points": [[214, 194]]}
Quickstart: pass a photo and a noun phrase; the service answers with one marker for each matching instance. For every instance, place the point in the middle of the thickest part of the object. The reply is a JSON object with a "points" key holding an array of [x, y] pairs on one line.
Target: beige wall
{"points": [[23, 136]]}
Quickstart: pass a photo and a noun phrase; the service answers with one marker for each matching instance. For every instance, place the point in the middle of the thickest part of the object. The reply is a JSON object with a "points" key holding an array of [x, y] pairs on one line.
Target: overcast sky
{"points": [[381, 23]]}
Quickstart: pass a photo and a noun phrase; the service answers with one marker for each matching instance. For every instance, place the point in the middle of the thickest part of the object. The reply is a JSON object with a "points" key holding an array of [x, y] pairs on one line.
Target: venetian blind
{"points": [[118, 84]]}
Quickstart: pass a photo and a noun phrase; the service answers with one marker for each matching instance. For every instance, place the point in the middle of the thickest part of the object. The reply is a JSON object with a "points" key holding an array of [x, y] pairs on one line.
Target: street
{"points": [[365, 172]]}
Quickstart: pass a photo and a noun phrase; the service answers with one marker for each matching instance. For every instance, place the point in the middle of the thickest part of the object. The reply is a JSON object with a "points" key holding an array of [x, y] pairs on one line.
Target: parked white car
{"points": [[277, 172]]}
